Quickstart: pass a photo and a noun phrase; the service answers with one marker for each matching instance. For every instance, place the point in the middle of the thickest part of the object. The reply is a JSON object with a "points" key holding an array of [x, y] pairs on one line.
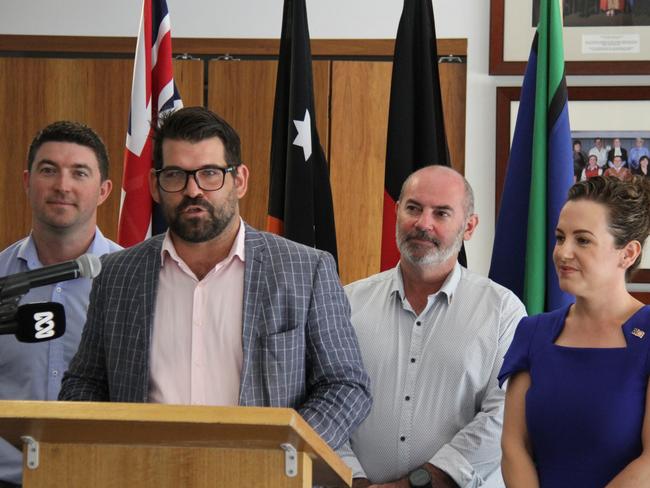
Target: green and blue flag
{"points": [[539, 174]]}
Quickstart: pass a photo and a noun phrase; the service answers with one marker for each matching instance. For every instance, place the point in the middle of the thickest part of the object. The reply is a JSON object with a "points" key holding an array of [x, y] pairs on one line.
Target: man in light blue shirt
{"points": [[66, 180], [637, 152]]}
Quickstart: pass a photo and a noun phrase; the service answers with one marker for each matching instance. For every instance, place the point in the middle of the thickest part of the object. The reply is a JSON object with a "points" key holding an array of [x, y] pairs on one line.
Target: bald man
{"points": [[432, 336]]}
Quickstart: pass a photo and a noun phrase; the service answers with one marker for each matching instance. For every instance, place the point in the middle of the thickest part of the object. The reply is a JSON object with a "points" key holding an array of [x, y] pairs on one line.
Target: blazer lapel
{"points": [[254, 290], [148, 275]]}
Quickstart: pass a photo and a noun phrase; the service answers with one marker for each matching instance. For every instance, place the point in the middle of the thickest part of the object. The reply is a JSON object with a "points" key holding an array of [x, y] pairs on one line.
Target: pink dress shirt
{"points": [[196, 347]]}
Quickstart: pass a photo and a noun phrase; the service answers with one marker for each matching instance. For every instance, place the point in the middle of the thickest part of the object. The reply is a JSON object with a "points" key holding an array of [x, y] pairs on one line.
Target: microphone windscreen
{"points": [[89, 265], [39, 322]]}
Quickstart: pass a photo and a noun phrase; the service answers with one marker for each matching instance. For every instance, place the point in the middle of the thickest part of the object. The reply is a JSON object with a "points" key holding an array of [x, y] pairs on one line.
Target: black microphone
{"points": [[86, 266], [36, 322]]}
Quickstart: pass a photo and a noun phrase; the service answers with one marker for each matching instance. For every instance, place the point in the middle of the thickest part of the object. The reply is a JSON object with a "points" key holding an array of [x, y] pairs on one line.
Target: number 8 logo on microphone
{"points": [[44, 325]]}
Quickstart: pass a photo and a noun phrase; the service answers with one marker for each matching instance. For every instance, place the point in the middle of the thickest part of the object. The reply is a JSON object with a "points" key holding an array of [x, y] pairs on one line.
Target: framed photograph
{"points": [[601, 37], [613, 120]]}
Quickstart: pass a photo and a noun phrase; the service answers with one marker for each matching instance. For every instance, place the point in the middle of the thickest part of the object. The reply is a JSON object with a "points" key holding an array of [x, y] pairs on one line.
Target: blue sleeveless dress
{"points": [[585, 406]]}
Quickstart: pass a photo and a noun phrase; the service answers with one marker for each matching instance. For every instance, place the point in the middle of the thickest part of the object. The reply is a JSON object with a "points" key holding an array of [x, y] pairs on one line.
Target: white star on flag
{"points": [[303, 139]]}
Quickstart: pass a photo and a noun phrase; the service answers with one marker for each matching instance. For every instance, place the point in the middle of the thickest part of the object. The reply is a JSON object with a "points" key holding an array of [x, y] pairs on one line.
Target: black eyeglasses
{"points": [[174, 180]]}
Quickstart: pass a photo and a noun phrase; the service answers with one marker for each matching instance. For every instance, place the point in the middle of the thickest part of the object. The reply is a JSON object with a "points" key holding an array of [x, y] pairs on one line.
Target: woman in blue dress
{"points": [[577, 387]]}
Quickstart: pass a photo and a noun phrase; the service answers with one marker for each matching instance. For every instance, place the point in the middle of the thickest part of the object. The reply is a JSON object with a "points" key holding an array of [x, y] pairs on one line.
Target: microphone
{"points": [[36, 322], [86, 266]]}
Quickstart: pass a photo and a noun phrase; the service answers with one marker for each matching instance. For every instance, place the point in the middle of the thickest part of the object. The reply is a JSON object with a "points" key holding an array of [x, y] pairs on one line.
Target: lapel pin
{"points": [[638, 332]]}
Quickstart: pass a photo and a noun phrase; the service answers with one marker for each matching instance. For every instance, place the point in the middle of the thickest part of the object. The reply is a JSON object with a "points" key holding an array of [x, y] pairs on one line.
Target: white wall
{"points": [[328, 19]]}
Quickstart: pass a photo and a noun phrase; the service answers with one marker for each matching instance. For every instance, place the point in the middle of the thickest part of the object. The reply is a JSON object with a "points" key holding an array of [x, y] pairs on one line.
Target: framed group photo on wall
{"points": [[612, 122], [601, 37]]}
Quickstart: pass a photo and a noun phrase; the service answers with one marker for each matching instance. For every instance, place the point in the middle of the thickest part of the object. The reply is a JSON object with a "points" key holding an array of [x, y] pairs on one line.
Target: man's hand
{"points": [[360, 483], [439, 479], [364, 483], [403, 483]]}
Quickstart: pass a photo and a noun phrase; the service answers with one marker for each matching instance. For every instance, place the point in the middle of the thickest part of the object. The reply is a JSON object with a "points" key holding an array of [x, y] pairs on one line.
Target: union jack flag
{"points": [[153, 92]]}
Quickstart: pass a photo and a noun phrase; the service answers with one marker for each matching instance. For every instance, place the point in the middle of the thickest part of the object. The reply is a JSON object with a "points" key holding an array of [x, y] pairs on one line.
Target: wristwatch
{"points": [[419, 478]]}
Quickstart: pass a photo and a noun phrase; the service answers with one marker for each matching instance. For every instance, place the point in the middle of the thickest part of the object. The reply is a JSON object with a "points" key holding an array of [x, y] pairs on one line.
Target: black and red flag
{"points": [[300, 198], [416, 129]]}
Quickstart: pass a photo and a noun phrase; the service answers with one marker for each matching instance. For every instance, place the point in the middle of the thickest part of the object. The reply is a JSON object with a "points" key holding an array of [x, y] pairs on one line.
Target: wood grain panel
{"points": [[189, 78], [453, 88], [360, 94], [207, 46], [360, 98], [243, 93], [35, 92], [153, 426], [38, 91], [164, 467]]}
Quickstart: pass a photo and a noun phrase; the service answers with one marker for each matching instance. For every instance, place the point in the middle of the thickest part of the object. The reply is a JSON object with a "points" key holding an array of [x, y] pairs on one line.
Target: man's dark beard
{"points": [[198, 230]]}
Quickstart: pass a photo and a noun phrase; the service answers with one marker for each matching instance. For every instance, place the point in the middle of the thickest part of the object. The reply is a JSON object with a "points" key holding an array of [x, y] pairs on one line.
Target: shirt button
{"points": [[418, 323], [402, 438], [58, 289], [412, 360], [55, 372], [407, 398]]}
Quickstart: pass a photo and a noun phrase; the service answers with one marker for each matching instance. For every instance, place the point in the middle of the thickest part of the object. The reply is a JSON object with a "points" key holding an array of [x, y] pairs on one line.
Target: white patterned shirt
{"points": [[601, 154], [434, 377]]}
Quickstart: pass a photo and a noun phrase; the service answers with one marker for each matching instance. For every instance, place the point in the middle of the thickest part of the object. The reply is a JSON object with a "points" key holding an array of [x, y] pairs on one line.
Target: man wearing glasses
{"points": [[214, 312]]}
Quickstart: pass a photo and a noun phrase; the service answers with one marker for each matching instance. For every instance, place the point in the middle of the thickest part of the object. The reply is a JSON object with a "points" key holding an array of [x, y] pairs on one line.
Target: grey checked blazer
{"points": [[300, 349]]}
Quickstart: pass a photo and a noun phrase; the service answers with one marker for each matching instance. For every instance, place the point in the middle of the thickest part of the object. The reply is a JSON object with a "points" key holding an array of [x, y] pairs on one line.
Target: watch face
{"points": [[420, 477]]}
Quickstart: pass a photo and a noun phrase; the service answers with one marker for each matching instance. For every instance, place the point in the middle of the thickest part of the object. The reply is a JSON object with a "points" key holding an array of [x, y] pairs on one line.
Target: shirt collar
{"points": [[27, 250], [448, 287], [237, 249], [100, 244]]}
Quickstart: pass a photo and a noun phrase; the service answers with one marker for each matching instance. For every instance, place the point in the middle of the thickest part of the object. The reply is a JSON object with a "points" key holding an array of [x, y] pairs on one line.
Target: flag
{"points": [[539, 174], [416, 128], [153, 92], [300, 197]]}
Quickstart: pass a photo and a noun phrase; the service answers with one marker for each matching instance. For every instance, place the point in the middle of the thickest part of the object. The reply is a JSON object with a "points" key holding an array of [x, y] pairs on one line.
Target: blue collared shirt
{"points": [[34, 371], [635, 154]]}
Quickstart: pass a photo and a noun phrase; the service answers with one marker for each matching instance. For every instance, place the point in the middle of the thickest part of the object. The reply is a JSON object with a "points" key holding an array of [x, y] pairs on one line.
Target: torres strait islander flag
{"points": [[152, 93]]}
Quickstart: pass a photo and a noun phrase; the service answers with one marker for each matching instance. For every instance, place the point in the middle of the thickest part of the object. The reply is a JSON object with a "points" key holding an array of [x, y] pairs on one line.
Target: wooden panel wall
{"points": [[358, 152], [357, 116], [35, 92], [351, 103], [360, 98], [453, 87]]}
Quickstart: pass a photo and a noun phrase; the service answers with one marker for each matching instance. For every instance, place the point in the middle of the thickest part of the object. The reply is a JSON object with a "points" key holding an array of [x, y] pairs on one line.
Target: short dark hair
{"points": [[628, 207], [195, 124], [74, 132]]}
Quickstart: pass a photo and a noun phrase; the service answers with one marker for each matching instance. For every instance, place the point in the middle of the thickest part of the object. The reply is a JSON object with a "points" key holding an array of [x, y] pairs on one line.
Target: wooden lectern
{"points": [[98, 445]]}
